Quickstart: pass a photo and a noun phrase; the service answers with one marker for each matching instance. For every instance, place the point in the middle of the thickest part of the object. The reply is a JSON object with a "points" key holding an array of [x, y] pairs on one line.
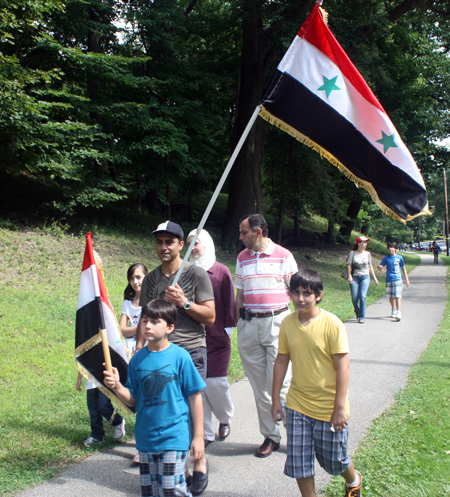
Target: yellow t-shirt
{"points": [[313, 384]]}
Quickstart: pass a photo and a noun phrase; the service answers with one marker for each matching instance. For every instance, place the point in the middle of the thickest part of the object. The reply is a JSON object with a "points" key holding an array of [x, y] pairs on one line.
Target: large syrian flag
{"points": [[318, 96], [95, 313]]}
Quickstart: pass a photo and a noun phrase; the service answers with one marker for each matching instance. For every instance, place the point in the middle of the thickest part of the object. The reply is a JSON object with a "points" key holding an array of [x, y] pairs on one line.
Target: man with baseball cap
{"points": [[194, 298]]}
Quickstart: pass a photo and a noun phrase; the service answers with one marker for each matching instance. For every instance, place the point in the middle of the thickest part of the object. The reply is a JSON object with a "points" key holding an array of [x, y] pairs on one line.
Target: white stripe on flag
{"points": [[86, 292]]}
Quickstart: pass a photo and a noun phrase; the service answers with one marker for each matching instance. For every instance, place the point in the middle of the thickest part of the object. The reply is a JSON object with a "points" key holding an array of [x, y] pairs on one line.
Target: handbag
{"points": [[344, 274]]}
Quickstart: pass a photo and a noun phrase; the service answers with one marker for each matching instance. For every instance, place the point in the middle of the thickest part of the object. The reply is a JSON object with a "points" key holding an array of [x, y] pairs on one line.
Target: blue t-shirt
{"points": [[161, 382], [393, 264]]}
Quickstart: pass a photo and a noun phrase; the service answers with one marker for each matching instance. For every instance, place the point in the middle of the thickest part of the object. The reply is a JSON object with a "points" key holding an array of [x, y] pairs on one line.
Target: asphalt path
{"points": [[381, 353]]}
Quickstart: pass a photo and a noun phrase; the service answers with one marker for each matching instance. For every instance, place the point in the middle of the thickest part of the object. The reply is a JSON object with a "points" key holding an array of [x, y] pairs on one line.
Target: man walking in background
{"points": [[263, 274]]}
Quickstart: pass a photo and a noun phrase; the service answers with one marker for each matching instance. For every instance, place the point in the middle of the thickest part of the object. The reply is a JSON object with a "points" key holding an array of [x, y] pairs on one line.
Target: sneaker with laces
{"points": [[119, 431], [398, 316], [393, 312], [354, 491], [89, 442]]}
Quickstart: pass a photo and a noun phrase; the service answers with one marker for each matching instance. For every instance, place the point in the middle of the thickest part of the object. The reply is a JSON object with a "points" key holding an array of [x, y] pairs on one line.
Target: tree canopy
{"points": [[110, 100]]}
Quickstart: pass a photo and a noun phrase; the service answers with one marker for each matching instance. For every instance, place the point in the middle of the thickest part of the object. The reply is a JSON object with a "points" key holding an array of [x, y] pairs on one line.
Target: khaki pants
{"points": [[258, 348], [216, 399]]}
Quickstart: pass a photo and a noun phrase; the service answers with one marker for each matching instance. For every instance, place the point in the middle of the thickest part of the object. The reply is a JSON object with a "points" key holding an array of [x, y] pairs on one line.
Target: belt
{"points": [[269, 313]]}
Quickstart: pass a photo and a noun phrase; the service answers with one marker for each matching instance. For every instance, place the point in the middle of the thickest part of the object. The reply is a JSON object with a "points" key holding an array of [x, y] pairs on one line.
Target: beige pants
{"points": [[217, 400], [258, 348]]}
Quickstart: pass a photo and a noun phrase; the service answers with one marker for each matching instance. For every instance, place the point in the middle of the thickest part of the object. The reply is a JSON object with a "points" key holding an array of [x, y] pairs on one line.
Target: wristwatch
{"points": [[187, 305]]}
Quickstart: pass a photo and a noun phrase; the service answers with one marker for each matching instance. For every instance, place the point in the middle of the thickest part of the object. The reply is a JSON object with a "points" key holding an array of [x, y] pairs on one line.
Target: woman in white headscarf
{"points": [[217, 397]]}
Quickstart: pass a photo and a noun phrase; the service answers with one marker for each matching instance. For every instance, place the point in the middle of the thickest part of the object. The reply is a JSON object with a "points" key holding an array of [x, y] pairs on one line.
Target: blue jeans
{"points": [[99, 405], [358, 290]]}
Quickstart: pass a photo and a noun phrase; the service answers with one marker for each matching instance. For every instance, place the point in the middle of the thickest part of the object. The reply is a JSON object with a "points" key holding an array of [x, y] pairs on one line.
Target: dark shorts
{"points": [[199, 357]]}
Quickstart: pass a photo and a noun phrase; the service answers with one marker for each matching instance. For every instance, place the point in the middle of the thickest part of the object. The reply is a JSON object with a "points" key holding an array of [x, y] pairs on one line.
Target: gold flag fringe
{"points": [[324, 15], [80, 350], [265, 114]]}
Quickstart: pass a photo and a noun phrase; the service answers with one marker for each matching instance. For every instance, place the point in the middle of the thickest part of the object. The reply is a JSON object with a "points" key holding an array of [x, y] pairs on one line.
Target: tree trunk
{"points": [[280, 220], [138, 187], [245, 192], [352, 213], [93, 85], [296, 231]]}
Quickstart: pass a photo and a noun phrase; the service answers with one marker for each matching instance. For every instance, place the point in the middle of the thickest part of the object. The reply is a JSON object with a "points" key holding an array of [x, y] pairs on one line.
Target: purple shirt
{"points": [[218, 342]]}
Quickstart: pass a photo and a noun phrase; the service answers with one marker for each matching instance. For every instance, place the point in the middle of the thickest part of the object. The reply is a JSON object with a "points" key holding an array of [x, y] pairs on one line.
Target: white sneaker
{"points": [[393, 312], [119, 431], [398, 316], [92, 441]]}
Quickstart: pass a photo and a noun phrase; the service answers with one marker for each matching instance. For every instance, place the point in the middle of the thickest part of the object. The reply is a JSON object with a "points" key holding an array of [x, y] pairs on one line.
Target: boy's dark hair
{"points": [[392, 245], [309, 280], [256, 221], [129, 293], [160, 309]]}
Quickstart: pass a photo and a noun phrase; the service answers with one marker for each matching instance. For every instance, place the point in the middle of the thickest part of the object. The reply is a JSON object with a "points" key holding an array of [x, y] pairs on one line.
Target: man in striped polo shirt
{"points": [[263, 273]]}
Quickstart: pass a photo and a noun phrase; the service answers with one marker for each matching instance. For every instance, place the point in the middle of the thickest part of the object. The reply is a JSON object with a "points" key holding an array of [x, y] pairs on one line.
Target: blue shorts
{"points": [[308, 437], [163, 474], [394, 289]]}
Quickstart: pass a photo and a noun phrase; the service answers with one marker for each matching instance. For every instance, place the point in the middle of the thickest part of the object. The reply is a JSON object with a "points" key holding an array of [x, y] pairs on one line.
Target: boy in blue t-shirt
{"points": [[394, 284], [164, 385]]}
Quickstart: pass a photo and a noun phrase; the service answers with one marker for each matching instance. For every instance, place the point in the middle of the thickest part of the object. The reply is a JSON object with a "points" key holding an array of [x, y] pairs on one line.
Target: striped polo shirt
{"points": [[264, 277]]}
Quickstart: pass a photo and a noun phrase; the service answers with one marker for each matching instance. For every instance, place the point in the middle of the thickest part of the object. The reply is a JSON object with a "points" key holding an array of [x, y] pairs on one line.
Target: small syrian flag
{"points": [[319, 97], [95, 313]]}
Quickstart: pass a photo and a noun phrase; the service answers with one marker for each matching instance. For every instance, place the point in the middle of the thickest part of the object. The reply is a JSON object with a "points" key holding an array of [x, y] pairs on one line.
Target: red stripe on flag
{"points": [[316, 32], [88, 261]]}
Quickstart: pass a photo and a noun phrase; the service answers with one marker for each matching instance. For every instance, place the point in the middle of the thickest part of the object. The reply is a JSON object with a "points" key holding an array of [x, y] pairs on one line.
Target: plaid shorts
{"points": [[308, 436], [394, 289], [163, 474]]}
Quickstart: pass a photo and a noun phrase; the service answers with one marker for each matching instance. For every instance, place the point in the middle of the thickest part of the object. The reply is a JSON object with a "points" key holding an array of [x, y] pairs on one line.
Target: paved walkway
{"points": [[381, 354]]}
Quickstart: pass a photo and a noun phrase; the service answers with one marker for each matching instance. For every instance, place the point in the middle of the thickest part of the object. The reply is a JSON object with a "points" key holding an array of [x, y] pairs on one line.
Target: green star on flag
{"points": [[387, 141], [329, 85]]}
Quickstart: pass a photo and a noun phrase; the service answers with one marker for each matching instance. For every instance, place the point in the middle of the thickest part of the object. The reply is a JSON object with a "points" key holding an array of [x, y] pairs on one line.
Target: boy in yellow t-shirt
{"points": [[315, 341]]}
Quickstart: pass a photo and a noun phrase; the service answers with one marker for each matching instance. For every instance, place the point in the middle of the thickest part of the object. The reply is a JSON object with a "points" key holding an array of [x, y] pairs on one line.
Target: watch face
{"points": [[187, 305]]}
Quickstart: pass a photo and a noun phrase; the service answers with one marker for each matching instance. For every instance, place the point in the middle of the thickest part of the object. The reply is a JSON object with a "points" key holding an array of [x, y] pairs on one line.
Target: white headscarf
{"points": [[208, 258]]}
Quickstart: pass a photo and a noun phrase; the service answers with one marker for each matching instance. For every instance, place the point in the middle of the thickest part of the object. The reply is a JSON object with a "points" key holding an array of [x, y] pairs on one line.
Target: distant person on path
{"points": [[216, 395], [317, 402], [360, 267], [131, 310], [100, 406], [394, 284], [164, 385], [435, 249], [263, 273], [194, 298]]}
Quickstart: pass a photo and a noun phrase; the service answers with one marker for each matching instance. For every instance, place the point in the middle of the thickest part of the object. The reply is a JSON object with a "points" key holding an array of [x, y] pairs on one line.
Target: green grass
{"points": [[43, 419], [407, 451]]}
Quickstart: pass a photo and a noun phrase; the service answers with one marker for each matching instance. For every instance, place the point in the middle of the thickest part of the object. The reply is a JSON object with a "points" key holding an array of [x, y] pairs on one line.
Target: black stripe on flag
{"points": [[297, 106]]}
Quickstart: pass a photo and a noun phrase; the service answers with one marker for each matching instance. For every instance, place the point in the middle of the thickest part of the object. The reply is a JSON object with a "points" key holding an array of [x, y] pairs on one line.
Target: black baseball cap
{"points": [[170, 227]]}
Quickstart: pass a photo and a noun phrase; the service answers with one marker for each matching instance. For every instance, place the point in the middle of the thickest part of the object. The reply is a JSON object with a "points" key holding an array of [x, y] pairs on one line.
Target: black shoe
{"points": [[199, 481]]}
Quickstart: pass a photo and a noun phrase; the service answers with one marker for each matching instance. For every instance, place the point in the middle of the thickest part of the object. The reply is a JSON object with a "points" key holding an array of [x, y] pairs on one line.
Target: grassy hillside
{"points": [[43, 419]]}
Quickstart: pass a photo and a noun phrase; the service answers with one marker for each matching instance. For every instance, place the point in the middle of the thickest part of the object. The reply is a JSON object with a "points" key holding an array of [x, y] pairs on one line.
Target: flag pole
{"points": [[105, 344], [217, 190]]}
